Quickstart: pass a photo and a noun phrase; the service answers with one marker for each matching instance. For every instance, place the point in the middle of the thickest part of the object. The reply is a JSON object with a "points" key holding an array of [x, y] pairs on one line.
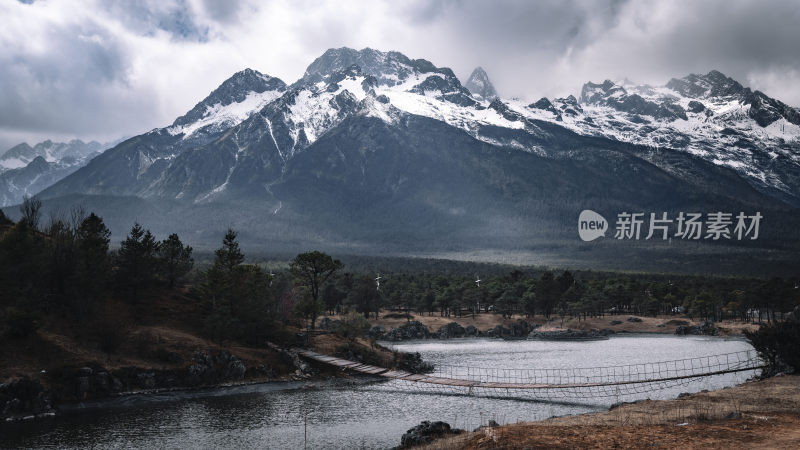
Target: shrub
{"points": [[779, 345], [18, 323], [353, 326]]}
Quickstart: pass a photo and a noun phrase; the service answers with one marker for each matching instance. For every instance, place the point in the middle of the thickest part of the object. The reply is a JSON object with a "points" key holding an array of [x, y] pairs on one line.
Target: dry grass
{"points": [[760, 414], [484, 321], [160, 334]]}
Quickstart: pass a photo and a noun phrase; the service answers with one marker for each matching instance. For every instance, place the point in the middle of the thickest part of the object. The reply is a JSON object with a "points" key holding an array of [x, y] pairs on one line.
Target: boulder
{"points": [[498, 332], [327, 324], [24, 397], [634, 319], [569, 334], [376, 332], [704, 329], [425, 432], [520, 328], [470, 330], [411, 330], [412, 362], [210, 368], [451, 330]]}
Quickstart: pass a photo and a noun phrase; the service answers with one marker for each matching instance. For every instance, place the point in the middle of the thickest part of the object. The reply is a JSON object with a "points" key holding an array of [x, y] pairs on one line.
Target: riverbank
{"points": [[756, 414], [158, 347], [621, 323]]}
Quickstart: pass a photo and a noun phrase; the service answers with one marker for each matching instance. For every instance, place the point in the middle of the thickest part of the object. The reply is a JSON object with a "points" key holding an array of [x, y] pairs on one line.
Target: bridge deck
{"points": [[458, 382]]}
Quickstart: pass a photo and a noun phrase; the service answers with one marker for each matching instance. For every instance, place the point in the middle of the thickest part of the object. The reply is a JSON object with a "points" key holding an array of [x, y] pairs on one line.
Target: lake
{"points": [[361, 412]]}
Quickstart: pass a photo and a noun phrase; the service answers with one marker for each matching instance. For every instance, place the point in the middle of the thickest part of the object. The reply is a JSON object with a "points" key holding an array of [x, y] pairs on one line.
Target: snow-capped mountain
{"points": [[711, 116], [479, 85], [21, 155], [26, 170], [229, 104], [371, 146]]}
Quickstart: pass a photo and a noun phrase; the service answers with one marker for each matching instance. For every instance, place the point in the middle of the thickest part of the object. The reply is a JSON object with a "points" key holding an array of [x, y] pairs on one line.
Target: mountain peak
{"points": [[594, 93], [388, 68], [479, 85], [712, 84], [233, 90]]}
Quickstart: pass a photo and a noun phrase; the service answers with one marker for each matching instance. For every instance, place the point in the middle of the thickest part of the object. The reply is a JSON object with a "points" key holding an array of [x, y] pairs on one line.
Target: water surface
{"points": [[358, 413]]}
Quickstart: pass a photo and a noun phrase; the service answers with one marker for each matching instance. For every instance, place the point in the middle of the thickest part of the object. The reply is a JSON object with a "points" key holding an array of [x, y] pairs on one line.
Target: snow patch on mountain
{"points": [[219, 117]]}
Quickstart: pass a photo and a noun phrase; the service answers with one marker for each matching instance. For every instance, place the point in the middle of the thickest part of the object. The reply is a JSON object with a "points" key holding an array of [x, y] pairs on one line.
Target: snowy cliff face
{"points": [[243, 138], [23, 154], [228, 105], [26, 170], [711, 116], [480, 86]]}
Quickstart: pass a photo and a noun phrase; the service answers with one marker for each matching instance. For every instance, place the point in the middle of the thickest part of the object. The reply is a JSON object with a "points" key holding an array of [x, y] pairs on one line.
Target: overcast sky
{"points": [[103, 69]]}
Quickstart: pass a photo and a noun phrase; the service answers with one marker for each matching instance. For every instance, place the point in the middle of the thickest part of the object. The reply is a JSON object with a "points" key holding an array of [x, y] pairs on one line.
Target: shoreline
{"points": [[153, 396], [293, 382], [757, 413]]}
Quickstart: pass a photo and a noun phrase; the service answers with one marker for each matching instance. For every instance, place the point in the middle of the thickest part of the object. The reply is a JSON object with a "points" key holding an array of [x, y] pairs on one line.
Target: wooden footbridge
{"points": [[564, 382]]}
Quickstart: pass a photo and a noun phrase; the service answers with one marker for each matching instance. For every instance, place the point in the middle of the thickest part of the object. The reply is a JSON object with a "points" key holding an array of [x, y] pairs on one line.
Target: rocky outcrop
{"points": [[520, 328], [426, 432], [212, 368], [411, 330], [376, 332], [451, 330], [327, 324], [571, 335], [24, 398], [412, 362], [704, 329], [498, 332], [416, 330]]}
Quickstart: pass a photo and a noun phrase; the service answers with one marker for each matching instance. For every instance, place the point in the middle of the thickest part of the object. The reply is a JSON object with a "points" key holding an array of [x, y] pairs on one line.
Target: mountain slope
{"points": [[373, 150], [26, 170], [711, 116]]}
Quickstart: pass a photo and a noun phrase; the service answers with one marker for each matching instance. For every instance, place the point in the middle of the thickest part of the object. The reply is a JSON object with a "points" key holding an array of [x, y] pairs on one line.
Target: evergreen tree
{"points": [[222, 275], [92, 238], [176, 259], [312, 270], [137, 260]]}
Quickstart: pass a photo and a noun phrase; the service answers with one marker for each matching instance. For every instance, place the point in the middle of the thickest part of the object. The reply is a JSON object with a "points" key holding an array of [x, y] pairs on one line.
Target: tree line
{"points": [[67, 268], [548, 293]]}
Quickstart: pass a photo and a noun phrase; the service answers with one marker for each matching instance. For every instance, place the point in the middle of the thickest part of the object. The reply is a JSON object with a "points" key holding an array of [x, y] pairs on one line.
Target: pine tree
{"points": [[137, 260], [312, 270], [176, 259], [222, 275], [93, 237]]}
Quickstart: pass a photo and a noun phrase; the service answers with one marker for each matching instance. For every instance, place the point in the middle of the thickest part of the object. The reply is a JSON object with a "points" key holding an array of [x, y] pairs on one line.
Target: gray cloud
{"points": [[97, 70]]}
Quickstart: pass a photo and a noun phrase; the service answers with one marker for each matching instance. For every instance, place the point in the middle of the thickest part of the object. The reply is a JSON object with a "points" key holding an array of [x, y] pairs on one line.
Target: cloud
{"points": [[96, 69]]}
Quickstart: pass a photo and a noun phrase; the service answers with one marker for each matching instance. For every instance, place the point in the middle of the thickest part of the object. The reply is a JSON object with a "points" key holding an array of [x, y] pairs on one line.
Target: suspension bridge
{"points": [[566, 383]]}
